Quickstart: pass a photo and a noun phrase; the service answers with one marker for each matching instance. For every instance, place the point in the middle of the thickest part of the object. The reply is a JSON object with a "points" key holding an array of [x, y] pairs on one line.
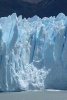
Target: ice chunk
{"points": [[33, 53]]}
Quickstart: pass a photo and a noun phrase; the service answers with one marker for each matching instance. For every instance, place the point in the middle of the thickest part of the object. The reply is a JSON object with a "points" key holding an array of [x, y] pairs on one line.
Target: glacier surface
{"points": [[33, 53]]}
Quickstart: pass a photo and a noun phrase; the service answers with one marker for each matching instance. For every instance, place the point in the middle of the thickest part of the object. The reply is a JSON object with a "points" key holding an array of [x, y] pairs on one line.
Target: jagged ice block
{"points": [[33, 53]]}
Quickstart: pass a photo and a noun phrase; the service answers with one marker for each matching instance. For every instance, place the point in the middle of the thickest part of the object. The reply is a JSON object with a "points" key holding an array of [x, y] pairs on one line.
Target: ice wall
{"points": [[33, 53]]}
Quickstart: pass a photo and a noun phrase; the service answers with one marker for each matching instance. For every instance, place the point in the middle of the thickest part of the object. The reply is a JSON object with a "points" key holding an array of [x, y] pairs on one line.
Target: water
{"points": [[34, 95]]}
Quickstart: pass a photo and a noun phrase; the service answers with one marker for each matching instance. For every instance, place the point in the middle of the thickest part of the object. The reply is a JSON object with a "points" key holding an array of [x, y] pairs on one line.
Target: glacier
{"points": [[33, 53]]}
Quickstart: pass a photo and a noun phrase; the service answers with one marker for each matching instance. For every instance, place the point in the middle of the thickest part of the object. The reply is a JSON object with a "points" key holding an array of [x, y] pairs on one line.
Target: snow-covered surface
{"points": [[33, 53]]}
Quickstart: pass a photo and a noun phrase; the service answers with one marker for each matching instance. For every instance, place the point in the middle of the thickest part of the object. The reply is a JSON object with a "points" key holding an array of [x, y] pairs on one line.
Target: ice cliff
{"points": [[33, 53]]}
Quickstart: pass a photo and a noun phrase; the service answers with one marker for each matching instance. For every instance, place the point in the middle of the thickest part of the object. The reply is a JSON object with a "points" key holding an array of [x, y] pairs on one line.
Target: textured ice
{"points": [[33, 53]]}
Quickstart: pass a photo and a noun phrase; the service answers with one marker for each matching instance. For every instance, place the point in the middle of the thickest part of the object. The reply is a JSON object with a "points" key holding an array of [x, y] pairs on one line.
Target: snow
{"points": [[33, 53]]}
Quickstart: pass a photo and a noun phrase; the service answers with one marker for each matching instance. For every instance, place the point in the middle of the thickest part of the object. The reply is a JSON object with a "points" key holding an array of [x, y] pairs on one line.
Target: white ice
{"points": [[33, 53]]}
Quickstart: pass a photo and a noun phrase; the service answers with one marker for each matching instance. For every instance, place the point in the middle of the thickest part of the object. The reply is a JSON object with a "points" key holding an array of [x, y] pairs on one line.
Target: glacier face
{"points": [[33, 53]]}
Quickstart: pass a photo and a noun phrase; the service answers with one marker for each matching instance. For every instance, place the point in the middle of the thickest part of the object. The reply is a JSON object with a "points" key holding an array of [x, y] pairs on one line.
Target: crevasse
{"points": [[33, 53]]}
